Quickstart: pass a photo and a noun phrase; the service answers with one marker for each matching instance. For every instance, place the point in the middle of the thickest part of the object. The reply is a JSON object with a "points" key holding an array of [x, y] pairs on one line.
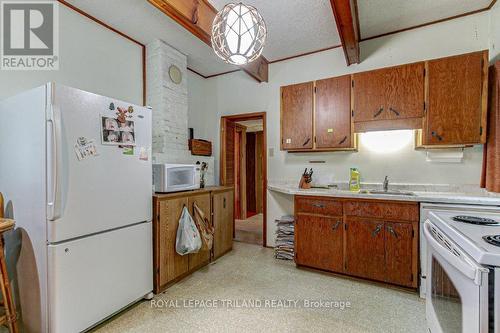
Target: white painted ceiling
{"points": [[294, 26], [254, 125], [382, 16]]}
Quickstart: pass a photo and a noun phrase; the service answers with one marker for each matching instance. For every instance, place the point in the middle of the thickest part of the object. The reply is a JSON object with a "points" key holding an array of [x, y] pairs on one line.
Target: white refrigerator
{"points": [[77, 179]]}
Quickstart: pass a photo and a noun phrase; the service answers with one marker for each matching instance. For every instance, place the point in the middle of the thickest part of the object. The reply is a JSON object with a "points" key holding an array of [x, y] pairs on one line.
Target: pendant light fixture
{"points": [[238, 34]]}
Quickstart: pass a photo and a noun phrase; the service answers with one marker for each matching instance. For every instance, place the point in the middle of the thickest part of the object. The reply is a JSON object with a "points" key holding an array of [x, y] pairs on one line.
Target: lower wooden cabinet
{"points": [[203, 201], [400, 256], [223, 206], [371, 239], [217, 205], [365, 251], [319, 242]]}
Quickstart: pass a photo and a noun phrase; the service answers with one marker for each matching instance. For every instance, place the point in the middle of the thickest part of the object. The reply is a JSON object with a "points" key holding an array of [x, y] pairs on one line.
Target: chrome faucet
{"points": [[386, 184]]}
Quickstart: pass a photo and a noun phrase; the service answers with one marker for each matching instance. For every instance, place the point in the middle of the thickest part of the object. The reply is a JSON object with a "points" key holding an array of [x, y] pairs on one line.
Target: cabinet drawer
{"points": [[383, 210], [314, 205]]}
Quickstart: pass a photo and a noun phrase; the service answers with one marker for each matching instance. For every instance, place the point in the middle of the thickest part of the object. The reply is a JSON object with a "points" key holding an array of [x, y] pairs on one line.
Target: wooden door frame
{"points": [[242, 117]]}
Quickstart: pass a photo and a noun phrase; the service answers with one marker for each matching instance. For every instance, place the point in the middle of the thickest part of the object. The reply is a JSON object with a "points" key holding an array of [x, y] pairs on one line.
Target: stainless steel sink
{"points": [[386, 192]]}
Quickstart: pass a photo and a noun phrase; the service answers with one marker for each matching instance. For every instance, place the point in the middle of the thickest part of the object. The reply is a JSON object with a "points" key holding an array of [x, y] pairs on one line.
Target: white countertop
{"points": [[476, 198]]}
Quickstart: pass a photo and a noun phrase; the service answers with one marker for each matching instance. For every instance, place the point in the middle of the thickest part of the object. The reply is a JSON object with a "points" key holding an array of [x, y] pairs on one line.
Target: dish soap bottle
{"points": [[354, 185]]}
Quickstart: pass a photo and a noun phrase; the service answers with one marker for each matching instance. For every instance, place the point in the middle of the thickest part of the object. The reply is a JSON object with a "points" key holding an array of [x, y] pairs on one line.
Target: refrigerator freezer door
{"points": [[99, 192], [93, 277]]}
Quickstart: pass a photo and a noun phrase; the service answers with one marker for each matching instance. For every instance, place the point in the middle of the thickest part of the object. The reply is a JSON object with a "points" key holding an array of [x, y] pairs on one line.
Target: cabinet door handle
{"points": [[224, 203], [395, 111], [392, 231], [318, 205], [343, 140], [307, 141], [336, 225], [439, 137], [378, 112], [377, 230]]}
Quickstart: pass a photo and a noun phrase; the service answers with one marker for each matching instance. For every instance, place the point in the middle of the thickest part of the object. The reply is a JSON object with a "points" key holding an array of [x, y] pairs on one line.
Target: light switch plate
{"points": [[271, 152]]}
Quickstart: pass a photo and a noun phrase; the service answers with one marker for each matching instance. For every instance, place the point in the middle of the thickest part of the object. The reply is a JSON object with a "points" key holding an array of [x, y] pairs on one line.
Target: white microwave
{"points": [[176, 177]]}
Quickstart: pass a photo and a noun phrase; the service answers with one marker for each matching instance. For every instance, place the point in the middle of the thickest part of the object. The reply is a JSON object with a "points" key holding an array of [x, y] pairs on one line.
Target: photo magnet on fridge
{"points": [[85, 148], [117, 133]]}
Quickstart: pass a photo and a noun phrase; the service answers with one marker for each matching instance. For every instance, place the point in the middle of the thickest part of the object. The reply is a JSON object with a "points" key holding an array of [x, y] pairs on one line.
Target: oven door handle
{"points": [[464, 265]]}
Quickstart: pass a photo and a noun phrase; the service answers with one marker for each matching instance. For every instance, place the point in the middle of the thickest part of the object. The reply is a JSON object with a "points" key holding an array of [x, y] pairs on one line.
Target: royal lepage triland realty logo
{"points": [[29, 35]]}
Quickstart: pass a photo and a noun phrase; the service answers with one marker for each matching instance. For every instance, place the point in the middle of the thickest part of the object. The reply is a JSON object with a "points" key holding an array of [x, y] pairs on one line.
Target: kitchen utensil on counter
{"points": [[306, 179]]}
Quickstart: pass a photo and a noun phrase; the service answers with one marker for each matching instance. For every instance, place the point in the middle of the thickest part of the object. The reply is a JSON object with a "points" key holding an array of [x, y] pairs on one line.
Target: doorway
{"points": [[244, 166]]}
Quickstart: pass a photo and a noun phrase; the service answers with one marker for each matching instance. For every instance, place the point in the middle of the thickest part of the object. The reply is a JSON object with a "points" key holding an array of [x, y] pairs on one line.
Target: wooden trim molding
{"points": [[242, 117], [345, 14], [197, 17], [83, 13]]}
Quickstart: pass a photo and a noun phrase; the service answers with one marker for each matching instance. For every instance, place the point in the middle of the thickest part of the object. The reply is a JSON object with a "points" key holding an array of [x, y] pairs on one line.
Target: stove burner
{"points": [[492, 239], [475, 220]]}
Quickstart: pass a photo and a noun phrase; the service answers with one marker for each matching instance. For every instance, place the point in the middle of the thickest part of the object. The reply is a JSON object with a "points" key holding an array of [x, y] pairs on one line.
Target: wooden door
{"points": [[369, 95], [456, 107], [389, 93], [365, 252], [223, 222], [319, 242], [259, 171], [399, 253], [250, 173], [171, 264], [228, 131], [333, 113], [297, 116], [203, 202], [405, 91]]}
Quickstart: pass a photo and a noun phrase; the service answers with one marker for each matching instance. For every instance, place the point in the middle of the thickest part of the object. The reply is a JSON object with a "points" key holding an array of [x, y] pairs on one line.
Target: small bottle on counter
{"points": [[354, 180]]}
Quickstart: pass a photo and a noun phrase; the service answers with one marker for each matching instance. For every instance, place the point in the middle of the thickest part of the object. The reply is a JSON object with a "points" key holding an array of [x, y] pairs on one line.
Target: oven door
{"points": [[457, 287]]}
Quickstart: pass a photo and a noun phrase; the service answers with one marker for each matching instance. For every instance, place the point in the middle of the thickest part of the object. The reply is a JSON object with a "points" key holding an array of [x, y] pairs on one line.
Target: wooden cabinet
{"points": [[371, 239], [400, 264], [381, 241], [297, 116], [444, 99], [365, 250], [223, 222], [217, 205], [457, 100], [171, 264], [319, 233], [203, 202], [332, 117], [394, 96]]}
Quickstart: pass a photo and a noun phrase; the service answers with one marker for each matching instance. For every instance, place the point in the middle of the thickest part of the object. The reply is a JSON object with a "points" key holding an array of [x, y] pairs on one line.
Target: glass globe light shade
{"points": [[238, 34]]}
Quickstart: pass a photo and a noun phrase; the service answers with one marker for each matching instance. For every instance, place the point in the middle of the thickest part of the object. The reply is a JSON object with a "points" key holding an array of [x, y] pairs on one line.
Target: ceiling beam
{"points": [[345, 13], [197, 16]]}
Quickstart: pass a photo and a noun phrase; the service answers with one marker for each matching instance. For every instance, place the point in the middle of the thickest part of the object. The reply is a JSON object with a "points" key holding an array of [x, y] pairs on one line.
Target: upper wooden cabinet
{"points": [[457, 100], [332, 119], [297, 116], [316, 116], [394, 94], [445, 99]]}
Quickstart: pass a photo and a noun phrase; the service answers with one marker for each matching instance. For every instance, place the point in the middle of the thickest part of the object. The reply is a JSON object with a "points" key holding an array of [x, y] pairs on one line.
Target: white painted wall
{"points": [[238, 93], [495, 32], [92, 58]]}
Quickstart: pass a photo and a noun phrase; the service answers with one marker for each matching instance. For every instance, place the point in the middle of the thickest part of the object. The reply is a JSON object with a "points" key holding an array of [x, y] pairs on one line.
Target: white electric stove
{"points": [[463, 271]]}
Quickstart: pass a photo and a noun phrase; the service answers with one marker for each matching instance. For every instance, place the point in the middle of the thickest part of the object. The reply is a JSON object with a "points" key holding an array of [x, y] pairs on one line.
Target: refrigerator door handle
{"points": [[54, 161]]}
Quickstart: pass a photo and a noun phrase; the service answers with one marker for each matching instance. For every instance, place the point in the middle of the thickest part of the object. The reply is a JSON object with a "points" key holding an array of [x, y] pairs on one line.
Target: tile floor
{"points": [[249, 230], [250, 272]]}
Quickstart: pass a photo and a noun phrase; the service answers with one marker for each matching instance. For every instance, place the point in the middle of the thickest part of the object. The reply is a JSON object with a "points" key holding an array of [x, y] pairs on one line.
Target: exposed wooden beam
{"points": [[197, 16], [346, 17]]}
